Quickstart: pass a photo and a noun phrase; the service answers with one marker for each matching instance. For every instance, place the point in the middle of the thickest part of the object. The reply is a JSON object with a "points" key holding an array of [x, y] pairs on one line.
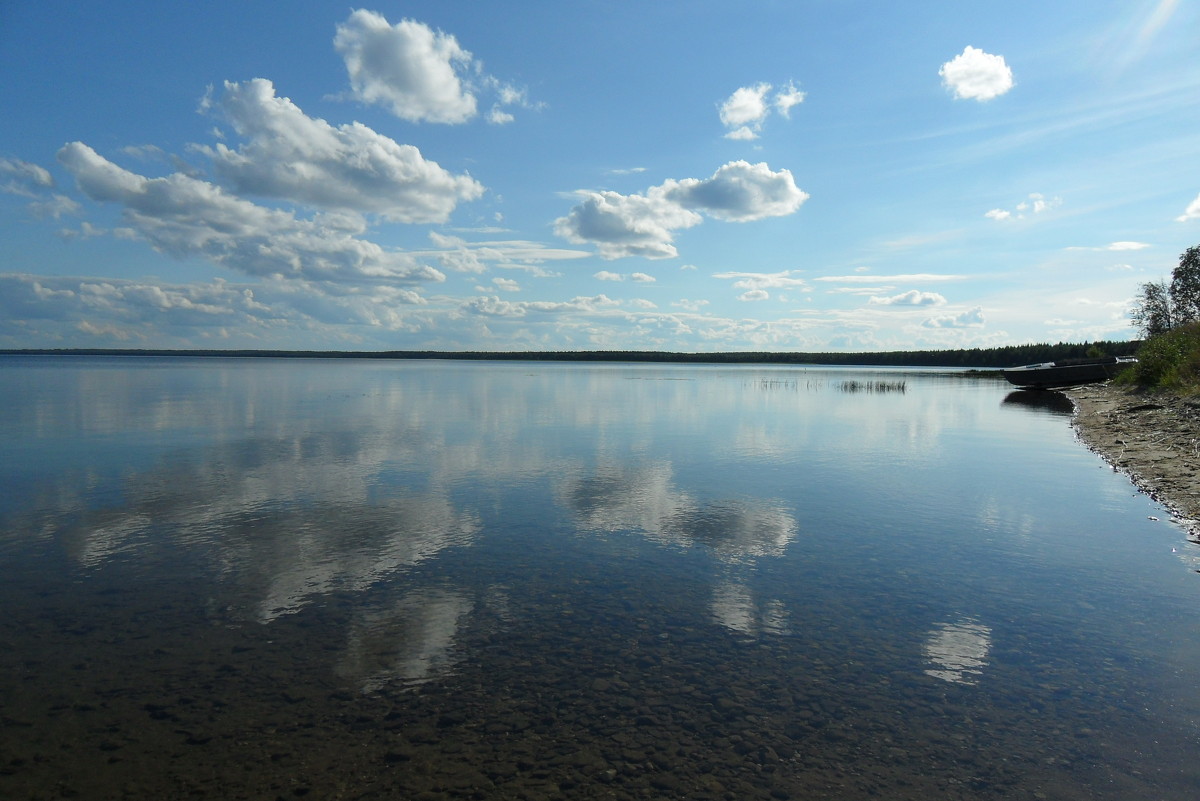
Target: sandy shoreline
{"points": [[1154, 439]]}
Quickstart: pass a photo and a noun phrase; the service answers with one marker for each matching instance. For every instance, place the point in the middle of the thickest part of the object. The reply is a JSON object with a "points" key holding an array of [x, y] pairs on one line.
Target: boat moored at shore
{"points": [[1068, 372]]}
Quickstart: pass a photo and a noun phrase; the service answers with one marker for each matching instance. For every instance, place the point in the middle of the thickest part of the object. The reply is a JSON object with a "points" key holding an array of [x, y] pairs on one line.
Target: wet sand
{"points": [[1152, 438]]}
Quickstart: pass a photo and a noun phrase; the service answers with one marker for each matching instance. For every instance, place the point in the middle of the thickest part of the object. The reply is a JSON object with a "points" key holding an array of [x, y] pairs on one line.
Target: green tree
{"points": [[1185, 287], [1160, 307], [1153, 312]]}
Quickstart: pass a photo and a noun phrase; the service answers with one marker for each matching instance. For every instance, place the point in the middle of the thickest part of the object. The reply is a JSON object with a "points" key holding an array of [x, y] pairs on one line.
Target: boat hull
{"points": [[1057, 375]]}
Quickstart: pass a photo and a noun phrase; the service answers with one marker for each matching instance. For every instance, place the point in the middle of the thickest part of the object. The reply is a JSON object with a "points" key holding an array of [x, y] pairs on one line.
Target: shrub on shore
{"points": [[1169, 361]]}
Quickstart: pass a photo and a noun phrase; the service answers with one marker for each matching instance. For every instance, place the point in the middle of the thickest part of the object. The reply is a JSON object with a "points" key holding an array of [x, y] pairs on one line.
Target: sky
{"points": [[701, 176]]}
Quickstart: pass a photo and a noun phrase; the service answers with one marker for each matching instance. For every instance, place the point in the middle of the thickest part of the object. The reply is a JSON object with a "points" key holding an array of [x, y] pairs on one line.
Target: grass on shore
{"points": [[1169, 361]]}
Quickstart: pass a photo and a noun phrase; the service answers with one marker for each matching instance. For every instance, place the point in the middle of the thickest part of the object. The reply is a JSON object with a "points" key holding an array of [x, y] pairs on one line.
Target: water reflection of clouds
{"points": [[287, 519], [958, 651], [736, 531], [409, 642], [734, 607], [644, 498]]}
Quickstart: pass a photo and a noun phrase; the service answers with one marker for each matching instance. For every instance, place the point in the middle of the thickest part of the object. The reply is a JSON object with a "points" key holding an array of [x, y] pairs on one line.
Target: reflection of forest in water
{"points": [[826, 560]]}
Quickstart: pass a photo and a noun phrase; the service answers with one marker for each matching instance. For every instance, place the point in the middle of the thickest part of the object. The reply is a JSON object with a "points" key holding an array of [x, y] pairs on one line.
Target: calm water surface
{"points": [[340, 579]]}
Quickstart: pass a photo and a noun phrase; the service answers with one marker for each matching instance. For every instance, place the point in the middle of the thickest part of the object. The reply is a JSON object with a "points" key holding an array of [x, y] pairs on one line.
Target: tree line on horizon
{"points": [[978, 358]]}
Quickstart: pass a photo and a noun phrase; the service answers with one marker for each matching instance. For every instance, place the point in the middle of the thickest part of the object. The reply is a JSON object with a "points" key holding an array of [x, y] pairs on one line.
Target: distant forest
{"points": [[980, 358]]}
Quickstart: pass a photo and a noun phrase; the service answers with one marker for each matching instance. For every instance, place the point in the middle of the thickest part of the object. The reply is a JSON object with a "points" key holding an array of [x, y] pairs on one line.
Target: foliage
{"points": [[1170, 360], [1160, 307], [1153, 312], [1185, 287]]}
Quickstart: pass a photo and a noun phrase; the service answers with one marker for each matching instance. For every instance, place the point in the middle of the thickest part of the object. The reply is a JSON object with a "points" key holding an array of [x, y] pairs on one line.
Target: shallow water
{"points": [[278, 578]]}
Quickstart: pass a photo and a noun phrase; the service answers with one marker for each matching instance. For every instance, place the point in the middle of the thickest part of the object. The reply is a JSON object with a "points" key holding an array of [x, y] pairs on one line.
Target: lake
{"points": [[279, 578]]}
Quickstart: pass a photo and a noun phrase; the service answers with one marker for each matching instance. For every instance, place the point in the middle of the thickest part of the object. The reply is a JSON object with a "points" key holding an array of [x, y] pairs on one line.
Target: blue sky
{"points": [[828, 175]]}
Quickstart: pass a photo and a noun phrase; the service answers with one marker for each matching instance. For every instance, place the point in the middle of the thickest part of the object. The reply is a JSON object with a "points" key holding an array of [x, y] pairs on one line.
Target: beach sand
{"points": [[1151, 437]]}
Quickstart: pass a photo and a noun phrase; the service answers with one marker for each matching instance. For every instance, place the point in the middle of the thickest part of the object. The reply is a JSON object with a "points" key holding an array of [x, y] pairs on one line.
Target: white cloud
{"points": [[24, 178], [746, 106], [976, 75], [158, 314], [644, 225], [740, 192], [88, 231], [55, 207], [506, 284], [642, 303], [627, 225], [690, 305], [605, 275], [643, 278], [744, 134], [185, 217], [972, 318], [1115, 246], [755, 294], [494, 307], [292, 156], [787, 97], [420, 74], [1192, 212], [1040, 203], [910, 298], [1036, 203], [459, 255], [910, 278], [745, 111], [780, 280], [408, 67], [859, 290]]}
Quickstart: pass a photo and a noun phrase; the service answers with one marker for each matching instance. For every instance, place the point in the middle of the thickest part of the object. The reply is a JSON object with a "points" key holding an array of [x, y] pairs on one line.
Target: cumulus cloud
{"points": [[746, 106], [292, 156], [184, 217], [998, 214], [1192, 212], [644, 225], [643, 278], [745, 111], [419, 74], [740, 192], [976, 75], [627, 225], [755, 294], [910, 298], [605, 275], [972, 318]]}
